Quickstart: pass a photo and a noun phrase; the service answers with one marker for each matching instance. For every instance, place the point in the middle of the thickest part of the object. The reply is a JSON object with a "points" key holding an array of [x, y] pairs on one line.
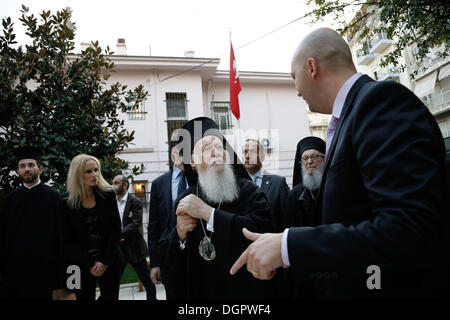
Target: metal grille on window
{"points": [[138, 111], [176, 105], [172, 125], [221, 114]]}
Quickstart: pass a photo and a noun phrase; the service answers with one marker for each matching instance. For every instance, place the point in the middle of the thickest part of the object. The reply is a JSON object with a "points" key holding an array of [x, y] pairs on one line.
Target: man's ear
{"points": [[312, 68], [193, 164]]}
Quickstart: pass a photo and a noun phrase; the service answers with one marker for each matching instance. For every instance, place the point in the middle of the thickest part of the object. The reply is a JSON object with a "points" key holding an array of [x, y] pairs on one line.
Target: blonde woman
{"points": [[92, 229]]}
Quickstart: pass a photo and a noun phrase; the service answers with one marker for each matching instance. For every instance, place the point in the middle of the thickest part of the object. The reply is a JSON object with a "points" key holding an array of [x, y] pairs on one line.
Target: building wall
{"points": [[269, 111], [373, 65], [437, 99], [150, 143]]}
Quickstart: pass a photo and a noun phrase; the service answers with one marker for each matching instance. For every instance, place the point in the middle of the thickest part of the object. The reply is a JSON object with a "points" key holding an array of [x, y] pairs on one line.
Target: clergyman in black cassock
{"points": [[195, 277], [301, 206], [302, 199], [30, 240]]}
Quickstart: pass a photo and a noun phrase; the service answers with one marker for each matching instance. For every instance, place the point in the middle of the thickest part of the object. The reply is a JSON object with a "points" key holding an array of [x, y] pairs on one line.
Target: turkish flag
{"points": [[235, 85]]}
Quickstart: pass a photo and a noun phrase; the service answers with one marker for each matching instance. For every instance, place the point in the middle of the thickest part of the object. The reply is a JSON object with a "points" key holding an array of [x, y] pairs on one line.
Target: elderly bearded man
{"points": [[205, 236], [307, 176]]}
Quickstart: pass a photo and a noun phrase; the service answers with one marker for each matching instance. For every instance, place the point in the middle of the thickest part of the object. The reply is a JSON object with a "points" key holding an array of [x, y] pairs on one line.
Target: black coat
{"points": [[301, 206], [75, 238], [276, 190], [132, 230], [194, 278], [381, 200], [160, 210], [30, 243]]}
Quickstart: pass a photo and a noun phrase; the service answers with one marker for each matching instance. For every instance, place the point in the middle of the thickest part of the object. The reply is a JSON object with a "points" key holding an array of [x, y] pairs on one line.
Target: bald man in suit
{"points": [[379, 231]]}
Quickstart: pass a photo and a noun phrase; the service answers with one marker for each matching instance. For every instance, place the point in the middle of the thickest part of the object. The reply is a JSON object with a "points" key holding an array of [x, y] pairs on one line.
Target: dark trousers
{"points": [[142, 271], [109, 284], [168, 287]]}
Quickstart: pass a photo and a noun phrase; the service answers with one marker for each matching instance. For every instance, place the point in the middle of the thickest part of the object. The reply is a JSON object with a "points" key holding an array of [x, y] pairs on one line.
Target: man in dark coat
{"points": [[165, 190], [276, 191], [274, 186], [309, 165], [30, 239], [132, 242], [300, 209], [381, 207], [204, 237]]}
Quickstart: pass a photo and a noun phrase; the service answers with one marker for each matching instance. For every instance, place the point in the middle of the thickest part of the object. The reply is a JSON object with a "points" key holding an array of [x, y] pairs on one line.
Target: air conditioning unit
{"points": [[266, 143]]}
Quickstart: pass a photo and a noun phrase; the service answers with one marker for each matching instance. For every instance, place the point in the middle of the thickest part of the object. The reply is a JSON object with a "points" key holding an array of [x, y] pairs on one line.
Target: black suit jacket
{"points": [[381, 199], [160, 210], [276, 190], [132, 231]]}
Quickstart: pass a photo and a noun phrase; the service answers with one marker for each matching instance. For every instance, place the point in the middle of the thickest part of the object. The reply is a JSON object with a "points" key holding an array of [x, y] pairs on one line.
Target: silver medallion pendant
{"points": [[206, 249]]}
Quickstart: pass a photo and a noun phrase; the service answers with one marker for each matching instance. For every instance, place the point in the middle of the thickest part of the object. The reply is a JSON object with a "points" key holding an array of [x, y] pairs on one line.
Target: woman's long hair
{"points": [[75, 185]]}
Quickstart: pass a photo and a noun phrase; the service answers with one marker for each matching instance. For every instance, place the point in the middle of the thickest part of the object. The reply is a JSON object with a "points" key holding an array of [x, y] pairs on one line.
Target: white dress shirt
{"points": [[121, 206], [209, 227]]}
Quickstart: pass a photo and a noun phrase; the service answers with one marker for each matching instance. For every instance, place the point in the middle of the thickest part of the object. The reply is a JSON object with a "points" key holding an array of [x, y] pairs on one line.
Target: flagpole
{"points": [[238, 121]]}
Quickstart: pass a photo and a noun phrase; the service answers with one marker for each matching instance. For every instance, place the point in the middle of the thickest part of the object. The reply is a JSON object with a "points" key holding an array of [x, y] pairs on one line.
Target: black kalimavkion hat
{"points": [[191, 133], [28, 152]]}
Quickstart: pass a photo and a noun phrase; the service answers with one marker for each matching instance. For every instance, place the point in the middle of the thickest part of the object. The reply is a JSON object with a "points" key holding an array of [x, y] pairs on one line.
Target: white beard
{"points": [[312, 181], [218, 187]]}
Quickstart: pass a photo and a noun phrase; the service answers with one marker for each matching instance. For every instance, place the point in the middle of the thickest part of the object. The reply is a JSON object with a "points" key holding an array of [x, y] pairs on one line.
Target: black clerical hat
{"points": [[311, 143], [28, 152], [307, 143], [191, 133]]}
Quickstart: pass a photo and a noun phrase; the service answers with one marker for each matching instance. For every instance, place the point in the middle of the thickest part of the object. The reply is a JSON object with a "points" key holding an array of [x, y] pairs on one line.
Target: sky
{"points": [[171, 27]]}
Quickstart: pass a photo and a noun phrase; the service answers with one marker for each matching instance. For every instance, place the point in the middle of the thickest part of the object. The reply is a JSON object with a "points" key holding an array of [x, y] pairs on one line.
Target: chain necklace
{"points": [[312, 195], [206, 249]]}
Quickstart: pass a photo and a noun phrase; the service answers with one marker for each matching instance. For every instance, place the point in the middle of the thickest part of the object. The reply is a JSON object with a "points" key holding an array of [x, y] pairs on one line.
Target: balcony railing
{"points": [[387, 73], [364, 56], [438, 103], [379, 43], [431, 61]]}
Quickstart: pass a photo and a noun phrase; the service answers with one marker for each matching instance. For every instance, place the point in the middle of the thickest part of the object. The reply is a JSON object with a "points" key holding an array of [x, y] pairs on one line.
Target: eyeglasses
{"points": [[313, 157]]}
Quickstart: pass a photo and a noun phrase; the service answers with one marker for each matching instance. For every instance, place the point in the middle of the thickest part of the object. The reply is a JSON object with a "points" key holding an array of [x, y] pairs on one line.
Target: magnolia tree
{"points": [[59, 102]]}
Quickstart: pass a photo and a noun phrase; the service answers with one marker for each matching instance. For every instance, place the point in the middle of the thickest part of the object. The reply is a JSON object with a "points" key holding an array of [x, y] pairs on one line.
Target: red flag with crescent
{"points": [[235, 85]]}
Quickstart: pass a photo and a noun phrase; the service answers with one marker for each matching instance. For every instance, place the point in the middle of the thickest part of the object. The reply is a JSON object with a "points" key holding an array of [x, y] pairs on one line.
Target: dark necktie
{"points": [[181, 184]]}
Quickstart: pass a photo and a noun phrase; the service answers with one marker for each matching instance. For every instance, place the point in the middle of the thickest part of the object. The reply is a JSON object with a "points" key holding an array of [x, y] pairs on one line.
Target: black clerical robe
{"points": [[191, 276], [301, 207], [30, 243]]}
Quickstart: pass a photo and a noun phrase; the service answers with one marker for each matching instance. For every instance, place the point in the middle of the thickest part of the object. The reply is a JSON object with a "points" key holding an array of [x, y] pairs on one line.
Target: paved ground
{"points": [[131, 292]]}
